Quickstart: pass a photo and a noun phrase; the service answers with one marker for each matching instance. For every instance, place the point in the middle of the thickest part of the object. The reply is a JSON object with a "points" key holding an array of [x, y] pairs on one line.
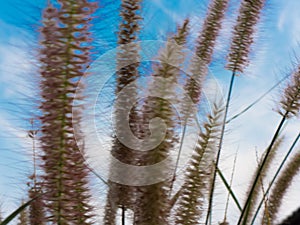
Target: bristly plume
{"points": [[23, 217], [182, 32], [152, 206], [204, 50], [36, 208], [290, 101], [64, 57], [203, 55], [248, 17], [211, 29], [244, 30], [119, 196], [197, 178], [260, 185], [289, 107], [128, 53], [281, 187]]}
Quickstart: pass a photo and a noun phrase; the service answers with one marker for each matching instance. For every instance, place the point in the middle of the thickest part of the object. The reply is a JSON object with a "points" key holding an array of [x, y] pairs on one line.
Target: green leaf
{"points": [[229, 189], [18, 211]]}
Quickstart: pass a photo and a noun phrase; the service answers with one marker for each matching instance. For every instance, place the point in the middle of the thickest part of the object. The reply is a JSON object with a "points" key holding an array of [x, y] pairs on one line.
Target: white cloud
{"points": [[17, 79], [16, 71], [288, 20]]}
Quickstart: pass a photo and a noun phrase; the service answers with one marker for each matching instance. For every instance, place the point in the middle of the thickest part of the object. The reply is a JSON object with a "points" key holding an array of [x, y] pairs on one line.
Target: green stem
{"points": [[258, 100], [209, 212], [229, 189], [275, 176], [245, 208], [14, 214]]}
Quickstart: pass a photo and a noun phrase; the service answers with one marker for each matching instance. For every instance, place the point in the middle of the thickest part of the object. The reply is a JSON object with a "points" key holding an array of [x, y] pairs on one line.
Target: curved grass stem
{"points": [[258, 99], [209, 212], [244, 213], [275, 177]]}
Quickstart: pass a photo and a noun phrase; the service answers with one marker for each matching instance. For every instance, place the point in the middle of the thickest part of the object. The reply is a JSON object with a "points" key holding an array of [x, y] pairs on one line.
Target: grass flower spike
{"points": [[64, 56]]}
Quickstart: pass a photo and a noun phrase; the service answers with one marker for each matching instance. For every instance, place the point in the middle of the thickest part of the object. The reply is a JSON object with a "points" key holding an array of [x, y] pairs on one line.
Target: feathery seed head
{"points": [[64, 56], [281, 186], [290, 101], [244, 29], [211, 29]]}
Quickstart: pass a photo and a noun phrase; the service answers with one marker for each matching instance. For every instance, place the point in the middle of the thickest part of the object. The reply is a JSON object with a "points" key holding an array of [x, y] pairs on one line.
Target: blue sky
{"points": [[277, 45]]}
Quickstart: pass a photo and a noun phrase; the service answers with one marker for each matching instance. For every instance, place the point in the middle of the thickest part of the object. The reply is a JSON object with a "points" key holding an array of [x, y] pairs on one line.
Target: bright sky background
{"points": [[276, 47]]}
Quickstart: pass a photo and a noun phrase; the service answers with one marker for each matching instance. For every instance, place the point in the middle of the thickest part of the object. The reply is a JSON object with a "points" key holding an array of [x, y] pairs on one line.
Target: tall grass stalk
{"points": [[119, 195], [63, 57], [243, 32]]}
